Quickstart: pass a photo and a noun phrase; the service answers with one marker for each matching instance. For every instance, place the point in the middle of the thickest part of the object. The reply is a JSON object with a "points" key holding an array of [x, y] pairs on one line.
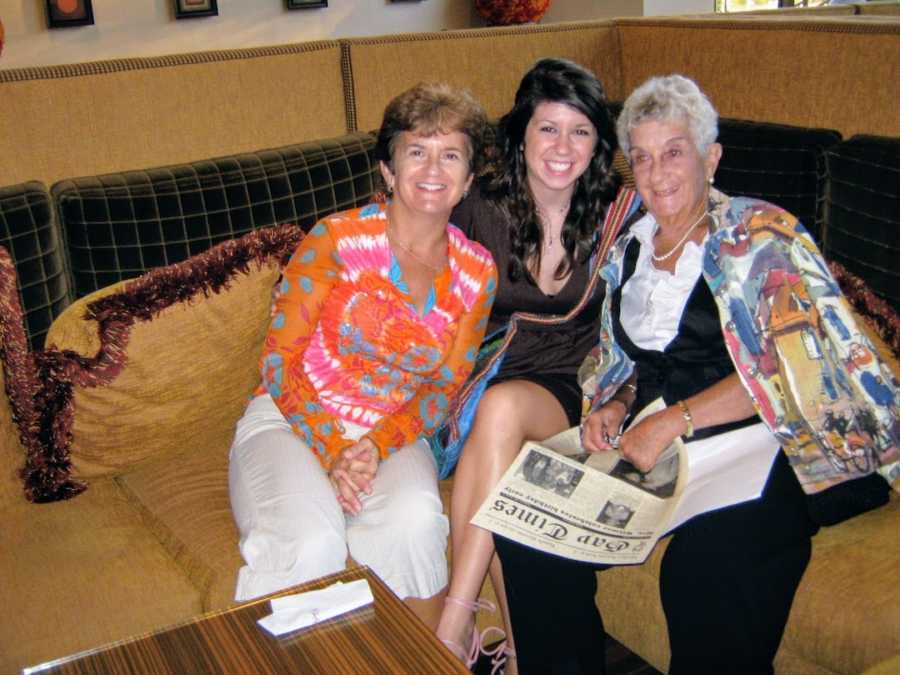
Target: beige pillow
{"points": [[165, 364]]}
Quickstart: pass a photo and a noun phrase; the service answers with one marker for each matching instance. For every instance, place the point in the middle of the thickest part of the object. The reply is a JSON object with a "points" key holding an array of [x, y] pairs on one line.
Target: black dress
{"points": [[546, 355]]}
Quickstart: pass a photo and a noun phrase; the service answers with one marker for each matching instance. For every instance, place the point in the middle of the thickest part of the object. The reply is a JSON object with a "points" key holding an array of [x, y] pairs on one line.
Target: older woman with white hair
{"points": [[724, 309]]}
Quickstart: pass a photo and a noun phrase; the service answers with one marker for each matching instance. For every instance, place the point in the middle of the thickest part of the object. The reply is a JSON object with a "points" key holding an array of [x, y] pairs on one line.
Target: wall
{"points": [[124, 28], [579, 10], [664, 7]]}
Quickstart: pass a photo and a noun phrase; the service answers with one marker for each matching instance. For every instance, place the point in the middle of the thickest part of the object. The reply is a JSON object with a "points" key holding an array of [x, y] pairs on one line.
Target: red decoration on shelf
{"points": [[506, 12], [1, 37]]}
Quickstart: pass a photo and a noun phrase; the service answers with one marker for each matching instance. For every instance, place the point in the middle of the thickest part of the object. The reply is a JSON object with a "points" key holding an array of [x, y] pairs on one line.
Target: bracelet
{"points": [[626, 404], [688, 419]]}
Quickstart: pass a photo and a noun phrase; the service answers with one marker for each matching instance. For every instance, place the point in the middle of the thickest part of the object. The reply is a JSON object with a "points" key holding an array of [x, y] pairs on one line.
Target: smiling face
{"points": [[559, 145], [670, 173], [430, 173]]}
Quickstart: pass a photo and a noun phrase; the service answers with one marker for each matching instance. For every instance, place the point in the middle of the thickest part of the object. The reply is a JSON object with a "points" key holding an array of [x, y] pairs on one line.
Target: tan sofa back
{"points": [[837, 73], [806, 69], [108, 116], [887, 8], [488, 62]]}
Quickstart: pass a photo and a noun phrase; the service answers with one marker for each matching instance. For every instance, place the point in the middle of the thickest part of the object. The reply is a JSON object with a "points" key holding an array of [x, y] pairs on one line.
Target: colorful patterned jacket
{"points": [[814, 377], [346, 344]]}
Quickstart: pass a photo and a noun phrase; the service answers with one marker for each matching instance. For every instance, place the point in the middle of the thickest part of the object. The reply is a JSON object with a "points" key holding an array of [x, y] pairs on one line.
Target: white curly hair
{"points": [[673, 98]]}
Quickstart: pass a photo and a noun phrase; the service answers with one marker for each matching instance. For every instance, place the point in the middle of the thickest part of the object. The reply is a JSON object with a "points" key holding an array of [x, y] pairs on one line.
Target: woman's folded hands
{"points": [[352, 473]]}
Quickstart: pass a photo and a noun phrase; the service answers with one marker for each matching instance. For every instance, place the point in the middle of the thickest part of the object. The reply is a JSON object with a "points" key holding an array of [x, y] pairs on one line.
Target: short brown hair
{"points": [[431, 108]]}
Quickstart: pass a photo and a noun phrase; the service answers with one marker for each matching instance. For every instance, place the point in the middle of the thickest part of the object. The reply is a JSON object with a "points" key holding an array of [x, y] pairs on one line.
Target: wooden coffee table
{"points": [[385, 637]]}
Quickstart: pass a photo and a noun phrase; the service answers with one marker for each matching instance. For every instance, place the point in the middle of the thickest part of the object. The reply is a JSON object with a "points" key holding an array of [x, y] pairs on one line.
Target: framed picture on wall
{"points": [[65, 13], [189, 9], [306, 4]]}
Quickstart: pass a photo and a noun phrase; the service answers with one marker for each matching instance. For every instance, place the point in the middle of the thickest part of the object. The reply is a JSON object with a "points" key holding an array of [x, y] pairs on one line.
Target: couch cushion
{"points": [[196, 391], [28, 230], [118, 226], [782, 164], [628, 598], [185, 502], [177, 348], [864, 212], [96, 571], [847, 582]]}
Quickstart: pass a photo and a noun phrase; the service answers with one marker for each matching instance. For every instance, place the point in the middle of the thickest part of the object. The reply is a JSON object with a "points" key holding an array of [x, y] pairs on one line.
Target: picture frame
{"points": [[68, 13], [191, 9], [306, 4]]}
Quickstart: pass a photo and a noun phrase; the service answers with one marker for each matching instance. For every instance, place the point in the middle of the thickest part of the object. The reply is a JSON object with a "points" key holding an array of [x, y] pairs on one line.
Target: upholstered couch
{"points": [[137, 392]]}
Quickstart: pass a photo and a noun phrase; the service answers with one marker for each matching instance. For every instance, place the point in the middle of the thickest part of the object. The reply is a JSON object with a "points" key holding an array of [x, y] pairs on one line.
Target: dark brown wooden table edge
{"points": [[349, 574]]}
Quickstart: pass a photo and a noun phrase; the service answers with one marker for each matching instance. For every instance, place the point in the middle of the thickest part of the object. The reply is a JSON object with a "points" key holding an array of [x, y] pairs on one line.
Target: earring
{"points": [[710, 179], [465, 194]]}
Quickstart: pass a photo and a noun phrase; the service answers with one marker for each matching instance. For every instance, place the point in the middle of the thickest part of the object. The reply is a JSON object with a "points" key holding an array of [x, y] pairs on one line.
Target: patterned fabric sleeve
{"points": [[425, 411], [606, 366], [307, 280], [816, 380]]}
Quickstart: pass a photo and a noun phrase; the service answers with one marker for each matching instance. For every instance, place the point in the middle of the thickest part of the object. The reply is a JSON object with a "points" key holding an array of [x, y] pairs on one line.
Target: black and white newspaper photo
{"points": [[598, 507]]}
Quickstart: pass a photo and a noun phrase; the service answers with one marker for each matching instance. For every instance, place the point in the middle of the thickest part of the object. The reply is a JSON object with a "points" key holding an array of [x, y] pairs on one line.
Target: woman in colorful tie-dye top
{"points": [[376, 324]]}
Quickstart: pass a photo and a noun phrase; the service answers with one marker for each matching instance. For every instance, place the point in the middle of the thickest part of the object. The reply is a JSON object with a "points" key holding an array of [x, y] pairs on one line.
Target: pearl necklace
{"points": [[542, 216], [660, 258], [393, 239]]}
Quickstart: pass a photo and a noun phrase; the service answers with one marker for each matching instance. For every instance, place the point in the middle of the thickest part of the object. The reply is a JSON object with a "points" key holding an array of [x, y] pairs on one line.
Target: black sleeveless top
{"points": [[694, 360], [556, 350]]}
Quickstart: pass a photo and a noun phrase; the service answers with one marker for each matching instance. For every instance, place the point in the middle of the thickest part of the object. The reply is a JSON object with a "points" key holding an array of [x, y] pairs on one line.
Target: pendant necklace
{"points": [[542, 216], [393, 238]]}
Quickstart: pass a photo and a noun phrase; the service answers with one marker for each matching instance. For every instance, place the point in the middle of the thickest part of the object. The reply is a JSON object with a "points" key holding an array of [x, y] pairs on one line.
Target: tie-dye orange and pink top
{"points": [[346, 343]]}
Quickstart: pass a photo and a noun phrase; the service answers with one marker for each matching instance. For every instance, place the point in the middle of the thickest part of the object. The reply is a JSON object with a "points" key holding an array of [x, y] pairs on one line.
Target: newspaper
{"points": [[599, 508]]}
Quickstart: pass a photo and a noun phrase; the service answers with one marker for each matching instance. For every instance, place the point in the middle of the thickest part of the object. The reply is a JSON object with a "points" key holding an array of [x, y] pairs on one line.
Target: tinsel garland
{"points": [[26, 390], [874, 310], [45, 380]]}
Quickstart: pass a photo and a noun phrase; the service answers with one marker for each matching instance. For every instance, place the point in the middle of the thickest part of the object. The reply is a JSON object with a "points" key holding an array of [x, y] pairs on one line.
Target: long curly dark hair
{"points": [[505, 181]]}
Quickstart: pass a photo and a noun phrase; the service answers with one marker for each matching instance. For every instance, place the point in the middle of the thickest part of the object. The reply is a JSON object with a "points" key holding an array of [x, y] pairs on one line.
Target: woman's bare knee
{"points": [[521, 410]]}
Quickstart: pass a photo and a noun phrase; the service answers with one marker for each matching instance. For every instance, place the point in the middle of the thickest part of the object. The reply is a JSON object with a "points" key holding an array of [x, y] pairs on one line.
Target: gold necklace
{"points": [[542, 216], [393, 239], [660, 258]]}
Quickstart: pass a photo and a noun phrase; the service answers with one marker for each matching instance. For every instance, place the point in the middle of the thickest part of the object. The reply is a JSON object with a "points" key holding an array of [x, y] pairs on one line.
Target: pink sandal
{"points": [[478, 639], [500, 656]]}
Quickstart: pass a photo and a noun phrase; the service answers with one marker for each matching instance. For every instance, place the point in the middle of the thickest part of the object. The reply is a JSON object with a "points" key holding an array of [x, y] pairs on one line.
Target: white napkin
{"points": [[293, 612]]}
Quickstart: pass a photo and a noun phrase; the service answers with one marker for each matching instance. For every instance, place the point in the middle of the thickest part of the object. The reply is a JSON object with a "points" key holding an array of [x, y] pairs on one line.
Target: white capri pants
{"points": [[293, 529]]}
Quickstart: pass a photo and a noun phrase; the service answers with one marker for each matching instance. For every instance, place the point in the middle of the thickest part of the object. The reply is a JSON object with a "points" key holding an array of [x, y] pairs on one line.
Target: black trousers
{"points": [[727, 582]]}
